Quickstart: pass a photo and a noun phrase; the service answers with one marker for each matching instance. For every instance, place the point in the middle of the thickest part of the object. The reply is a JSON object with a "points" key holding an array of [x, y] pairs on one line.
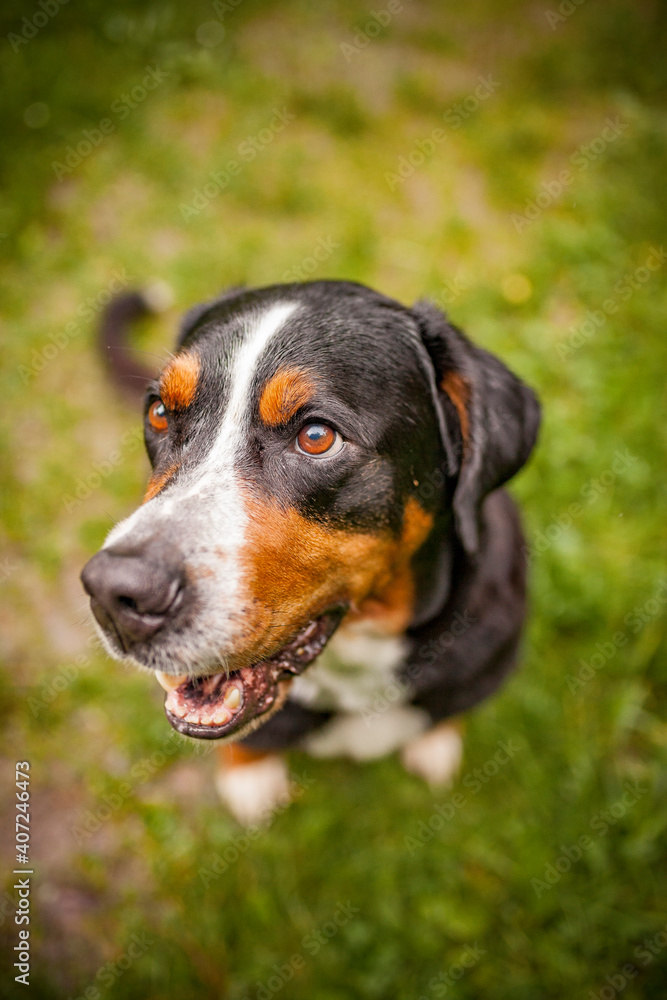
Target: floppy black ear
{"points": [[498, 416]]}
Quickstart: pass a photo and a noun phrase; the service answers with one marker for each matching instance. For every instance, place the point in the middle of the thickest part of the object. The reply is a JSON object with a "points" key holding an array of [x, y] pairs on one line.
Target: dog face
{"points": [[289, 437]]}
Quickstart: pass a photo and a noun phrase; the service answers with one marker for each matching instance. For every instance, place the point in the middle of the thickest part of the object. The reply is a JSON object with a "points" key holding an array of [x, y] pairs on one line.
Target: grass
{"points": [[368, 885]]}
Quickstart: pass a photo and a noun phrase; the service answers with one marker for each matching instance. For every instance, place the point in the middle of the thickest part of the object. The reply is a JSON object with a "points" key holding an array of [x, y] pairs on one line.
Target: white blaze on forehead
{"points": [[203, 512], [230, 434], [232, 430]]}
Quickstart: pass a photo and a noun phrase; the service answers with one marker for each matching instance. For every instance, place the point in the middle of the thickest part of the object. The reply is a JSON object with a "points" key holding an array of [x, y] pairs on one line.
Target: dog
{"points": [[324, 558]]}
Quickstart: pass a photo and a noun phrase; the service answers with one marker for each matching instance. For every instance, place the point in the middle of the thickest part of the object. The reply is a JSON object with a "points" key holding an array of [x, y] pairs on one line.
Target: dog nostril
{"points": [[127, 602], [153, 603], [134, 594]]}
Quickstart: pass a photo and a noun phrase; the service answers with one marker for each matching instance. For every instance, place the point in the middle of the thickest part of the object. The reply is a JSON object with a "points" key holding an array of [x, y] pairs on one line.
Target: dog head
{"points": [[292, 437]]}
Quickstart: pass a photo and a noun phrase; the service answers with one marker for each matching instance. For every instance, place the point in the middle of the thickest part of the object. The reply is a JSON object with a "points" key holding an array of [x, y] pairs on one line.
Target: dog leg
{"points": [[252, 785], [436, 755]]}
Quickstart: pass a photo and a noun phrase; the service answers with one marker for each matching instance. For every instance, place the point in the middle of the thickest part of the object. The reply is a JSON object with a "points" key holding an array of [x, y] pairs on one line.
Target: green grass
{"points": [[128, 837]]}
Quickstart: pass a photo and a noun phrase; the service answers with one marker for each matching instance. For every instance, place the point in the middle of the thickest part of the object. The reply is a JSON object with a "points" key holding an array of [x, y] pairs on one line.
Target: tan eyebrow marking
{"points": [[178, 382], [458, 391], [284, 394]]}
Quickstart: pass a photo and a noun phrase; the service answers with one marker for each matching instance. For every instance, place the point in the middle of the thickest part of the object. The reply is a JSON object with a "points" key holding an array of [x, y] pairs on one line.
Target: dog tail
{"points": [[118, 357]]}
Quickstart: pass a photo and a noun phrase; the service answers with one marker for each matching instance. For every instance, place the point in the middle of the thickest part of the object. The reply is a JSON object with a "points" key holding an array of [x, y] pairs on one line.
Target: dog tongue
{"points": [[220, 705]]}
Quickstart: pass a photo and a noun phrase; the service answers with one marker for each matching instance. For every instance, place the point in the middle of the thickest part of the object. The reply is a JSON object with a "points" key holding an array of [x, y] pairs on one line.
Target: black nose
{"points": [[133, 593]]}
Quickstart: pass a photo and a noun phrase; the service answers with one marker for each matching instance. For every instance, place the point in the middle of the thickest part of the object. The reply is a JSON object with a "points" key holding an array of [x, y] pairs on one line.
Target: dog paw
{"points": [[253, 792], [434, 756]]}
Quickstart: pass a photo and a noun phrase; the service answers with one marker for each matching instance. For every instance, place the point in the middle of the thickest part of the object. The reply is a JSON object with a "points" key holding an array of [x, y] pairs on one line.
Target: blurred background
{"points": [[506, 160]]}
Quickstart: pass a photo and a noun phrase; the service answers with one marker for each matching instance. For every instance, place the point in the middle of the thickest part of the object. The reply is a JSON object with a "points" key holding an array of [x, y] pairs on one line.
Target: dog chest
{"points": [[357, 667]]}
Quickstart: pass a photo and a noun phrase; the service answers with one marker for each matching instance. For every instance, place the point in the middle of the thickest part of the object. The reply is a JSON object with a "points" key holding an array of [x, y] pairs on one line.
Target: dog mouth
{"points": [[227, 704]]}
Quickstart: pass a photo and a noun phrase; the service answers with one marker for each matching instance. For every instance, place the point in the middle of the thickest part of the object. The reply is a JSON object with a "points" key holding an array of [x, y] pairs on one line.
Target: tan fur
{"points": [[236, 755], [284, 394], [158, 481], [297, 569], [458, 391], [393, 609], [178, 382]]}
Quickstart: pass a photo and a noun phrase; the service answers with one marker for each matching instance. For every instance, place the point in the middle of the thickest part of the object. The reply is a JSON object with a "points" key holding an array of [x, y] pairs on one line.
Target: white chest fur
{"points": [[356, 677], [353, 671]]}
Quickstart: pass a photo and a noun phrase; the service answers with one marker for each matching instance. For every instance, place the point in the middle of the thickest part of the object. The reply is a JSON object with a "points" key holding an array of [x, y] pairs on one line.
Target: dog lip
{"points": [[259, 685]]}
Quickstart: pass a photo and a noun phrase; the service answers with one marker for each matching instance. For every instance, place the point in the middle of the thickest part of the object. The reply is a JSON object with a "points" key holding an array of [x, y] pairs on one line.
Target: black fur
{"points": [[378, 367]]}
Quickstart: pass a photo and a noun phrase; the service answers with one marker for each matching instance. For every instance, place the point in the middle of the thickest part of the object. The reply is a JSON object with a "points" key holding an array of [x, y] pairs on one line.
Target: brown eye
{"points": [[157, 416], [318, 439]]}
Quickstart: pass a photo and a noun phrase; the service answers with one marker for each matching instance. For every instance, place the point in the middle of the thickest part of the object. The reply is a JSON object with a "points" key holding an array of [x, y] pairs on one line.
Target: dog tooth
{"points": [[232, 699], [178, 709], [168, 681], [220, 716]]}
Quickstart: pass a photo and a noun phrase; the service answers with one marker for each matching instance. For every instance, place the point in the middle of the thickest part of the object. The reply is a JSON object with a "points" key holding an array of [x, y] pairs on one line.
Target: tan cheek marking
{"points": [[158, 482], [178, 382], [458, 391], [296, 569], [417, 524], [394, 610], [284, 394]]}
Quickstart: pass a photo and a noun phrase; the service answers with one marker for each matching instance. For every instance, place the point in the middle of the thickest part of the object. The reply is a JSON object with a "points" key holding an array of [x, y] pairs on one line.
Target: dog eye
{"points": [[318, 439], [157, 416]]}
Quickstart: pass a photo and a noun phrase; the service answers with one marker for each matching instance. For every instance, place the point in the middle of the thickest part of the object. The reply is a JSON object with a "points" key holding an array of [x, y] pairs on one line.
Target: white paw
{"points": [[436, 755], [253, 792]]}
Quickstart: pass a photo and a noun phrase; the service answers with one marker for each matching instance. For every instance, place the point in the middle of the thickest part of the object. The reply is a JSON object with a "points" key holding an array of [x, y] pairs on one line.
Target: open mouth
{"points": [[222, 705]]}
